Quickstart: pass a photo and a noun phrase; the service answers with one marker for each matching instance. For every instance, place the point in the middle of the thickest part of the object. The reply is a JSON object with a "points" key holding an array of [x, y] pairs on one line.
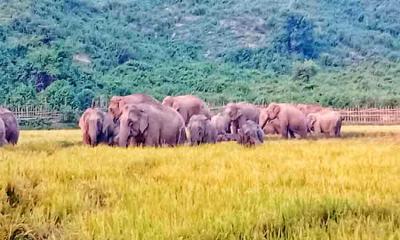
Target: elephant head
{"points": [[233, 111], [270, 113], [91, 124], [133, 124], [198, 129], [114, 106]]}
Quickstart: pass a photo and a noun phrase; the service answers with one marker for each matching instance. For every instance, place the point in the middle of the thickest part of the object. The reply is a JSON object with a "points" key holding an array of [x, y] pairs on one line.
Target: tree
{"points": [[298, 36], [59, 94], [303, 71]]}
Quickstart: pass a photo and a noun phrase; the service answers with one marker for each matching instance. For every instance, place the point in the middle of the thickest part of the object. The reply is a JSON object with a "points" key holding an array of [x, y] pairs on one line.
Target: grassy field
{"points": [[51, 187]]}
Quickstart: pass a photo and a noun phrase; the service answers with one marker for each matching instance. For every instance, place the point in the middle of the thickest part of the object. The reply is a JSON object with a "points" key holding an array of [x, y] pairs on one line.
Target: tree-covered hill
{"points": [[64, 53]]}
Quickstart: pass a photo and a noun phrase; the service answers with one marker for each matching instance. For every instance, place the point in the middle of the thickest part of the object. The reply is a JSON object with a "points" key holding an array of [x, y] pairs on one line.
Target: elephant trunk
{"points": [[264, 123], [123, 134], [196, 135], [93, 133]]}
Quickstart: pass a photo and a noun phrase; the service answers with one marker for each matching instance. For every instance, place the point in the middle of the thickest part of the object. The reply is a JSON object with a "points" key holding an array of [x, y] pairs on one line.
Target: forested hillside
{"points": [[64, 53]]}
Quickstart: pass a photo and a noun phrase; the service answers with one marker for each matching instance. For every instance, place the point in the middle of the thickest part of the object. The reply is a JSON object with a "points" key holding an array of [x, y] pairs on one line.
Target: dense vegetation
{"points": [[65, 53], [302, 189]]}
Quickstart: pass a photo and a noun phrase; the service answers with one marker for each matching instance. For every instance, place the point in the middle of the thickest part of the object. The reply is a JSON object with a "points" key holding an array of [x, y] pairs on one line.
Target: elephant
{"points": [[292, 120], [250, 134], [91, 124], [309, 108], [187, 106], [201, 130], [272, 127], [327, 122], [11, 126], [110, 130], [3, 139], [117, 103], [239, 113], [222, 123], [148, 124]]}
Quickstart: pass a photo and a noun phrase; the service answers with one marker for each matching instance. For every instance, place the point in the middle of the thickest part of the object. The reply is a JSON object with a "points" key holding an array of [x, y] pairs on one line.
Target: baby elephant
{"points": [[327, 122], [201, 131], [250, 134], [98, 127]]}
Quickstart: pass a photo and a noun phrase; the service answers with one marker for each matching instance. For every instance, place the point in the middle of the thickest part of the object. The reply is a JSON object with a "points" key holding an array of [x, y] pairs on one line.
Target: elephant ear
{"points": [[115, 100], [235, 113], [176, 106], [143, 122], [275, 111], [84, 127], [82, 120]]}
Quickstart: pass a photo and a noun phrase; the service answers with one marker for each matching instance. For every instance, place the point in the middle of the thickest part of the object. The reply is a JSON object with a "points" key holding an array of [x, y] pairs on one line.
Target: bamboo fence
{"points": [[351, 116]]}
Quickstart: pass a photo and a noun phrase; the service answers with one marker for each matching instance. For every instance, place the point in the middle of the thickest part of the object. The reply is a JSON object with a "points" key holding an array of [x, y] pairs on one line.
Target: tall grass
{"points": [[51, 187]]}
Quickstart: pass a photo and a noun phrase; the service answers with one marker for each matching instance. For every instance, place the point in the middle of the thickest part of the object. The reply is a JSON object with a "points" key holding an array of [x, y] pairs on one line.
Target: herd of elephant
{"points": [[141, 120]]}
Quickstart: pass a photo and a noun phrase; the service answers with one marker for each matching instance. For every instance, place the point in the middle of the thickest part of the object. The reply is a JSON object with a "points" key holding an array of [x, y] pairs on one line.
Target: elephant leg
{"points": [[150, 142], [326, 133], [291, 134], [234, 128], [284, 132], [332, 133], [153, 139], [303, 133], [338, 129]]}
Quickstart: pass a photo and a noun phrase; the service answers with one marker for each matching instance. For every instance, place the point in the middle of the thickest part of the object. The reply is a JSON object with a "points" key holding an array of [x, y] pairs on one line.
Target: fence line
{"points": [[27, 113], [356, 116], [371, 116]]}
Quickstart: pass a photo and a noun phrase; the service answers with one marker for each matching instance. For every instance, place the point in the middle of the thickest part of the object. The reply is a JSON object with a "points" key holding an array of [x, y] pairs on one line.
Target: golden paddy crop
{"points": [[52, 187]]}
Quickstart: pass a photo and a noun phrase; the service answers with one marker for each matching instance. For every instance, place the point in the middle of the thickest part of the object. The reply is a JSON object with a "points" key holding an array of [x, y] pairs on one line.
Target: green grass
{"points": [[52, 187]]}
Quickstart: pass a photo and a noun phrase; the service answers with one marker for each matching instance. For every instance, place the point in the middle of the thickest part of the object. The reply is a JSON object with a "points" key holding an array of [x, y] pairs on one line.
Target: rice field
{"points": [[52, 187]]}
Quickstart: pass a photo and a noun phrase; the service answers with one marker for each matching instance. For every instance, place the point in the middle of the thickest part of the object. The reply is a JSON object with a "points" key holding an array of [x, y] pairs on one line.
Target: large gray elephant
{"points": [[3, 139], [11, 126], [250, 134], [239, 113], [292, 120], [151, 125], [222, 123], [117, 103], [327, 122], [201, 130], [91, 124], [187, 106]]}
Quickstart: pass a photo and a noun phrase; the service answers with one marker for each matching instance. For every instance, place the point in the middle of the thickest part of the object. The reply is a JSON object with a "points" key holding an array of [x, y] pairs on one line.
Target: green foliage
{"points": [[67, 53], [303, 71], [58, 95]]}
